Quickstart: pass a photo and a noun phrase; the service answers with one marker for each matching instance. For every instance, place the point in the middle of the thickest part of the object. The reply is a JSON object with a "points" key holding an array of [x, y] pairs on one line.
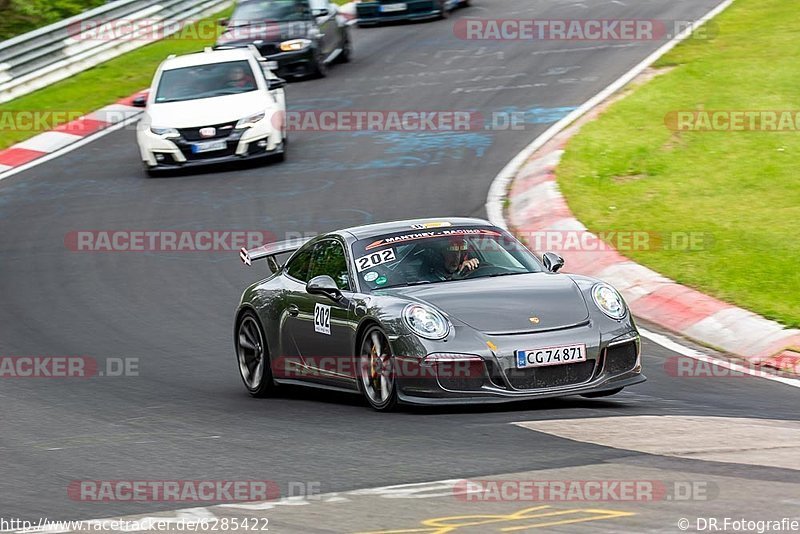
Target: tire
{"points": [[445, 12], [282, 156], [347, 50], [602, 393], [376, 376], [252, 356], [320, 69]]}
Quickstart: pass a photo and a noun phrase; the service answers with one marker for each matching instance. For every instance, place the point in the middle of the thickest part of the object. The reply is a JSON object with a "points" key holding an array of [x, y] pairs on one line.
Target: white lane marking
{"points": [[499, 187], [763, 442], [676, 347], [69, 148]]}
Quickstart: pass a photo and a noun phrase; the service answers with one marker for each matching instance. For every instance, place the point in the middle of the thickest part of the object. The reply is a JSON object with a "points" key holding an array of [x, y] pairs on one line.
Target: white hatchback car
{"points": [[209, 107]]}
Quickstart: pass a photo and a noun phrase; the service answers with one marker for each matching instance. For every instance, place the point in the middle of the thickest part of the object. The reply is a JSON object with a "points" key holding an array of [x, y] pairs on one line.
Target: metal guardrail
{"points": [[39, 58]]}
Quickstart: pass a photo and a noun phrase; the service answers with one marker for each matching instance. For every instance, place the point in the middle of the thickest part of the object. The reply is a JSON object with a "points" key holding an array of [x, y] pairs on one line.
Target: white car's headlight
{"points": [[426, 322], [294, 45], [166, 133], [250, 121], [609, 301]]}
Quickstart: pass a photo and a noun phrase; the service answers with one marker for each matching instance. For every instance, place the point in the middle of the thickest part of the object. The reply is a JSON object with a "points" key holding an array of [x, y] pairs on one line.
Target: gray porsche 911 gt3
{"points": [[443, 311]]}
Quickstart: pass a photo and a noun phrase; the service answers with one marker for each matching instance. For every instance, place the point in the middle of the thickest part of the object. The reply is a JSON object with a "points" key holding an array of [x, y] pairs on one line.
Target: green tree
{"points": [[21, 16]]}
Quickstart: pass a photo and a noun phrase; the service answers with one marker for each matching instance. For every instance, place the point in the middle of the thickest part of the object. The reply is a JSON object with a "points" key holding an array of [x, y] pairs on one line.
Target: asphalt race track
{"points": [[187, 416]]}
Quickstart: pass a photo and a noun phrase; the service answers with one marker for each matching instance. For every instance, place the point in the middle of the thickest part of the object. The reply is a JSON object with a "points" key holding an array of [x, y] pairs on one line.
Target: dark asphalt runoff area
{"points": [[187, 415]]}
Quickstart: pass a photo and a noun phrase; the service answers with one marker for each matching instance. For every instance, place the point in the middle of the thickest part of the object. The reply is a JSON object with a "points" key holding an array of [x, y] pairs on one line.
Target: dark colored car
{"points": [[372, 12], [440, 311], [304, 37]]}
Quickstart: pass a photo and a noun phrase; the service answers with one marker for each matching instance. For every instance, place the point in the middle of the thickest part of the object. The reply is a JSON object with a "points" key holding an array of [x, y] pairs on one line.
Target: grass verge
{"points": [[741, 190]]}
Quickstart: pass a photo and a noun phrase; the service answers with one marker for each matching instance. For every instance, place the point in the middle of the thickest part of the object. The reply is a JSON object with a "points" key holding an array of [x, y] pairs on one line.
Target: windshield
{"points": [[440, 255], [253, 11], [205, 81]]}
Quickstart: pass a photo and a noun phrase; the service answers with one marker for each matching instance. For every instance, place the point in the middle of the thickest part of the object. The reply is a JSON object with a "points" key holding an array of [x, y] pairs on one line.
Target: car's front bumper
{"points": [[160, 153], [370, 12], [294, 64], [613, 360]]}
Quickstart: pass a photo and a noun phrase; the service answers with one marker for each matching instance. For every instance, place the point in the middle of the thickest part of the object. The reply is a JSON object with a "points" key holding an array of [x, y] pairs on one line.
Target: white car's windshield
{"points": [[430, 256], [205, 81]]}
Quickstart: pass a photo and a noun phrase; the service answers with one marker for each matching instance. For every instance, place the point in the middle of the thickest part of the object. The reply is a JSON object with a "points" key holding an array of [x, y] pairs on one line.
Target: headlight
{"points": [[426, 322], [165, 132], [294, 45], [609, 301], [247, 122]]}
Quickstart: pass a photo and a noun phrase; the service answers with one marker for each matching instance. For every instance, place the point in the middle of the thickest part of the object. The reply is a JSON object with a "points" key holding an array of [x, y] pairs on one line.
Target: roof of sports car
{"points": [[372, 230]]}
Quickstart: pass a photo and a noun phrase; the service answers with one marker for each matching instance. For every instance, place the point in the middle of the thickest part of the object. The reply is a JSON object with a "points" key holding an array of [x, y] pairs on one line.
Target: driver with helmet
{"points": [[450, 259]]}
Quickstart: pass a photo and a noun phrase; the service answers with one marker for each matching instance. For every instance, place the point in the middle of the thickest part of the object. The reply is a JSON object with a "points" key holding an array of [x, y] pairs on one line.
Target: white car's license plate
{"points": [[390, 8], [209, 146], [550, 356]]}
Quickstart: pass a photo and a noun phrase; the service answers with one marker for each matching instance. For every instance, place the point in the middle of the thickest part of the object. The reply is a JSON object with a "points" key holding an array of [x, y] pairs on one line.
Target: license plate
{"points": [[550, 356], [390, 8], [209, 146]]}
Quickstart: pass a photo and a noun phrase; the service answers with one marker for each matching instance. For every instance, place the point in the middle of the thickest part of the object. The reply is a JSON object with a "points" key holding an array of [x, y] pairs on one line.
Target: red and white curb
{"points": [[535, 205], [67, 137]]}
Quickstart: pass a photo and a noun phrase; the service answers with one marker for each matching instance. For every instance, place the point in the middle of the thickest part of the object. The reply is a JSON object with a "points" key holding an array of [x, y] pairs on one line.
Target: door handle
{"points": [[293, 310]]}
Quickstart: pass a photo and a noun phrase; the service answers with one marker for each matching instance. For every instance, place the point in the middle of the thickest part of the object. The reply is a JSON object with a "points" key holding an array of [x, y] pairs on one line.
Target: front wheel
{"points": [[347, 48], [445, 13], [376, 370], [319, 68], [253, 357]]}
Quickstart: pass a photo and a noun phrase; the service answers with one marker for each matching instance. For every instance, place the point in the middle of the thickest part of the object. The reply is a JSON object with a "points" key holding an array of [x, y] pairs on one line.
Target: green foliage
{"points": [[21, 16], [629, 171]]}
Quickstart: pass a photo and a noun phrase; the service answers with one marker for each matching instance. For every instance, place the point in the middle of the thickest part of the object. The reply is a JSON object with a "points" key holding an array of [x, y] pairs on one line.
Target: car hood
{"points": [[507, 304], [266, 32], [206, 111]]}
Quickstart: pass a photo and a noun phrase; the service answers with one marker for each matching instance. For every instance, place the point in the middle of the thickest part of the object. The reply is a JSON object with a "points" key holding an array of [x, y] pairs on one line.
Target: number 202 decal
{"points": [[376, 258], [322, 319]]}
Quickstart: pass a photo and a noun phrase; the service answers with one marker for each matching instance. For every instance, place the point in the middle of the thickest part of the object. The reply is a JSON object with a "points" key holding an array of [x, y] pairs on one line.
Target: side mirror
{"points": [[322, 12], [275, 83], [552, 261], [223, 22], [324, 285], [140, 101]]}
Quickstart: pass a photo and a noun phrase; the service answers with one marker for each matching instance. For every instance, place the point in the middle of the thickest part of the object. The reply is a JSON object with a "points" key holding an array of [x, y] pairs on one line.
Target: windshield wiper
{"points": [[507, 274]]}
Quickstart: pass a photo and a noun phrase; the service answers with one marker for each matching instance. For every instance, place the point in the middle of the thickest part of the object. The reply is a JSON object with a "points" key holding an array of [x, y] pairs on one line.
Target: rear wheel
{"points": [[601, 393], [376, 370], [252, 355]]}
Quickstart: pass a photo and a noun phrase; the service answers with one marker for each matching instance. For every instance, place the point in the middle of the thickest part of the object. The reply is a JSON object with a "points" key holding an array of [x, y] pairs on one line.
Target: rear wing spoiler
{"points": [[270, 250]]}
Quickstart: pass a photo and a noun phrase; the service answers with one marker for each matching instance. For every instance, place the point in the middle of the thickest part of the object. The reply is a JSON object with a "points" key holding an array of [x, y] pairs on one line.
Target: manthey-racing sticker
{"points": [[415, 236]]}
